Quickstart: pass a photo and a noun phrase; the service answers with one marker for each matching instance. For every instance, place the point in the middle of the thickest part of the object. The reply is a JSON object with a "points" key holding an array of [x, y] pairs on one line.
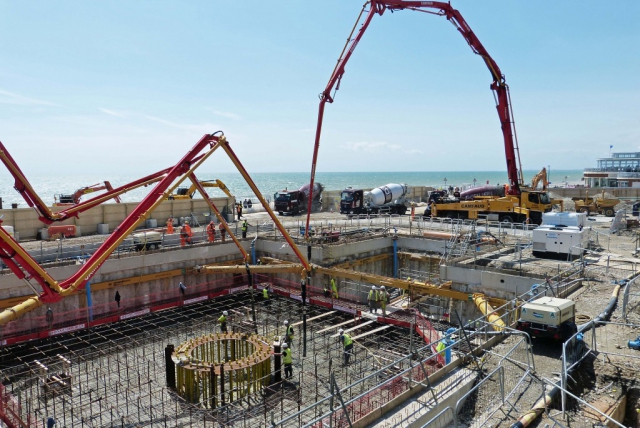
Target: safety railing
{"points": [[127, 307]]}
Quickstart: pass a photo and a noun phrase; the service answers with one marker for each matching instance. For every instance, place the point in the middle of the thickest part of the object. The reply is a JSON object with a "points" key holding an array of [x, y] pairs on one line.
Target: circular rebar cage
{"points": [[219, 368]]}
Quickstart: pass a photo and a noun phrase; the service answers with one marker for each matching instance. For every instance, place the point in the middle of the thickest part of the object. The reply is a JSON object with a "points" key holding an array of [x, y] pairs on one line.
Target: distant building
{"points": [[619, 170]]}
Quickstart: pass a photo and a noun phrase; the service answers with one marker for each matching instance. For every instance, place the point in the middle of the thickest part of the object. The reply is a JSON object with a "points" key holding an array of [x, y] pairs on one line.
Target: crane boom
{"points": [[45, 215], [25, 267], [498, 85]]}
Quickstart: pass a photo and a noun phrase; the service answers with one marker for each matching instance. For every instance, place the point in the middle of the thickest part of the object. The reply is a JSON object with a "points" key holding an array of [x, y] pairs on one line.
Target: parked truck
{"points": [[295, 201], [147, 240], [390, 199], [526, 206], [597, 204], [548, 317]]}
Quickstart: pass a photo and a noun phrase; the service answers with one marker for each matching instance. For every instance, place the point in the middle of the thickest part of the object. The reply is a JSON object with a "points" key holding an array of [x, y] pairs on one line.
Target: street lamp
{"points": [[445, 182], [474, 182]]}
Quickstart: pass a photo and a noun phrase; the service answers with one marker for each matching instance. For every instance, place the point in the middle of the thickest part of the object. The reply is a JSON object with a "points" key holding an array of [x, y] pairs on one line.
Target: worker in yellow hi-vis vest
{"points": [[383, 298], [373, 297], [334, 288]]}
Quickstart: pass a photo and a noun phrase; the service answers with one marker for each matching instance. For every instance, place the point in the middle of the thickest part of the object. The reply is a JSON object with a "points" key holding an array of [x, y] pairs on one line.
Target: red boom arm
{"points": [[498, 85], [23, 265]]}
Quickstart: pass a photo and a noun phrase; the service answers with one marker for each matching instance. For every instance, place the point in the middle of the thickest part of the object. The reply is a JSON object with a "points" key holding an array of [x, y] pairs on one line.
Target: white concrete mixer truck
{"points": [[388, 199]]}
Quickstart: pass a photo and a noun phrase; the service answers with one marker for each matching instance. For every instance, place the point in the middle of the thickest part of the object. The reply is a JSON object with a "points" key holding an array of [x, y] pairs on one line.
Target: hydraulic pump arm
{"points": [[498, 85], [25, 267], [45, 215]]}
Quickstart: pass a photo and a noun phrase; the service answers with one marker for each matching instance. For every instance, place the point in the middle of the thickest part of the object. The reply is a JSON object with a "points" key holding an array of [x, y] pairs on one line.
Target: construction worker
{"points": [[325, 290], [185, 234], [239, 210], [347, 343], [223, 321], [265, 293], [49, 317], [170, 226], [288, 336], [223, 232], [287, 360], [245, 226], [117, 298], [183, 288], [372, 299], [334, 288], [211, 231], [383, 298]]}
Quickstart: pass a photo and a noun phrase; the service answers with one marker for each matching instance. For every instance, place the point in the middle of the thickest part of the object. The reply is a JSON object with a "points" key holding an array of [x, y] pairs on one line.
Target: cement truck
{"points": [[388, 199], [295, 201]]}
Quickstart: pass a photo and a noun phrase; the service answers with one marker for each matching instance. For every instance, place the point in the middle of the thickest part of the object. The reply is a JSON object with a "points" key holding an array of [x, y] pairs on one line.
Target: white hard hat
{"points": [[341, 331], [382, 287], [285, 346], [286, 322], [225, 313], [373, 287]]}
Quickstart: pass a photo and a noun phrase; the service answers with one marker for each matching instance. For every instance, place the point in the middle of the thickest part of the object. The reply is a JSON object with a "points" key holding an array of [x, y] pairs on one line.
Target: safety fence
{"points": [[631, 302], [610, 341], [353, 402]]}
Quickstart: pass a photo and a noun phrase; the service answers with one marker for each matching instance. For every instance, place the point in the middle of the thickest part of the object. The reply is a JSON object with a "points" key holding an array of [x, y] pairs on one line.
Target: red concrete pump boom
{"points": [[45, 215], [26, 268], [498, 85]]}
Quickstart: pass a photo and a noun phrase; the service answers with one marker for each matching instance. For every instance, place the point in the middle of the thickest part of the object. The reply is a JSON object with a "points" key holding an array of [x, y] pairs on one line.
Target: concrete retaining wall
{"points": [[25, 220]]}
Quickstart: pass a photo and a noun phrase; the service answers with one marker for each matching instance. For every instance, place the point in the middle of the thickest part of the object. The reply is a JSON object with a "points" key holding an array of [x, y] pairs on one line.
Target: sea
{"points": [[269, 183]]}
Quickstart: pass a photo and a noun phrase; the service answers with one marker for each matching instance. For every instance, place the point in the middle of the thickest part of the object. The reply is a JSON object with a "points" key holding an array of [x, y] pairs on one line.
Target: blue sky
{"points": [[129, 87]]}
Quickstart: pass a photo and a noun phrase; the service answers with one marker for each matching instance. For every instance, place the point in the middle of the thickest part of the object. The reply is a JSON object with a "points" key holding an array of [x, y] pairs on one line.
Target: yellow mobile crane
{"points": [[189, 192]]}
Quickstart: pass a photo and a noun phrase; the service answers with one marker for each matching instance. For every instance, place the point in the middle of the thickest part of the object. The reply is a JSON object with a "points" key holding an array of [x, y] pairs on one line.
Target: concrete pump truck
{"points": [[518, 203]]}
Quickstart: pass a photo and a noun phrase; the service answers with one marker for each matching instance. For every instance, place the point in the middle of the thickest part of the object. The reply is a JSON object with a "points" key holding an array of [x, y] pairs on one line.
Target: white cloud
{"points": [[111, 112], [204, 127], [371, 146], [226, 114], [7, 97], [414, 152]]}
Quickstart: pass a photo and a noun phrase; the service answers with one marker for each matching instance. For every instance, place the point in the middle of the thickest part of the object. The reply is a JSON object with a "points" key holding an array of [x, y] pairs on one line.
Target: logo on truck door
{"points": [[538, 315]]}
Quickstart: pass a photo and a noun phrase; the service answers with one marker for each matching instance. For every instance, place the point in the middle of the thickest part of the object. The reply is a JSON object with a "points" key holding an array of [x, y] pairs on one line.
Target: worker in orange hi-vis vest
{"points": [[170, 226], [211, 231], [223, 231], [185, 234]]}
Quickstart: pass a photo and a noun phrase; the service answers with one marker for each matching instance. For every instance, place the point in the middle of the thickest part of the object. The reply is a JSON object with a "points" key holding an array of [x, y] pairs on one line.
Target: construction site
{"points": [[489, 306]]}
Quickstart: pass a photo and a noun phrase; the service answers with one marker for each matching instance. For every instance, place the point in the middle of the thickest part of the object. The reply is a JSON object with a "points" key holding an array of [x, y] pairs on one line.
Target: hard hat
{"points": [[373, 287], [186, 222], [285, 346], [212, 222], [382, 287], [225, 313], [286, 322], [341, 331]]}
